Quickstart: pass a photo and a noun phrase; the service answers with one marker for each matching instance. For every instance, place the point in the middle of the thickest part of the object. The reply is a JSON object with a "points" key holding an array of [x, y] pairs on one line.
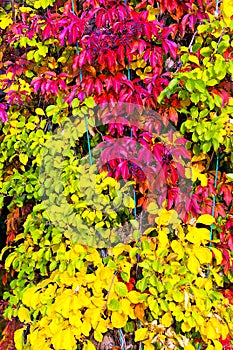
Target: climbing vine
{"points": [[116, 174]]}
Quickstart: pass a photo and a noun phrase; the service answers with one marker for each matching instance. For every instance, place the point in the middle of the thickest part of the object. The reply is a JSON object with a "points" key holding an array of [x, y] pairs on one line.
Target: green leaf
{"points": [[206, 147]]}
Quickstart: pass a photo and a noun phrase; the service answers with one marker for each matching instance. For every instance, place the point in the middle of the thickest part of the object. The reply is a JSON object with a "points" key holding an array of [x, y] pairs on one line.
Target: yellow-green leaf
{"points": [[121, 289], [23, 158], [128, 202]]}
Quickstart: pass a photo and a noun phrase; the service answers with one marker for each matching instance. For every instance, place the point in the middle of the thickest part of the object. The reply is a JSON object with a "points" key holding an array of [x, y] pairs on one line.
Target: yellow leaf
{"points": [[163, 238], [118, 320], [86, 327], [141, 334], [18, 338], [167, 319], [128, 202], [133, 296], [210, 347], [189, 347], [210, 331], [98, 336], [148, 345], [217, 255], [217, 345], [196, 174], [197, 235], [203, 254], [167, 217], [185, 327], [193, 264], [24, 315], [152, 12], [127, 309], [27, 296], [205, 219], [177, 248], [227, 10], [5, 21], [89, 346], [39, 111]]}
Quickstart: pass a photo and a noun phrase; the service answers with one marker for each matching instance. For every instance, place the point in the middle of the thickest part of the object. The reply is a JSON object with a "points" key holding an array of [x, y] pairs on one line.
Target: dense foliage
{"points": [[116, 179]]}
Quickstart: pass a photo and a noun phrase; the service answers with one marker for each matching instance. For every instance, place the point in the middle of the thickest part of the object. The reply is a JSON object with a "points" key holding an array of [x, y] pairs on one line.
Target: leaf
{"points": [[229, 176], [178, 296], [10, 259], [193, 265], [194, 59], [205, 219], [189, 347], [133, 296], [128, 202], [114, 305], [217, 345], [23, 158], [167, 319], [227, 10], [90, 103], [24, 315], [5, 21], [18, 339], [118, 320], [139, 311], [177, 247], [121, 289], [141, 334], [198, 235], [89, 346], [39, 111], [217, 255], [203, 254]]}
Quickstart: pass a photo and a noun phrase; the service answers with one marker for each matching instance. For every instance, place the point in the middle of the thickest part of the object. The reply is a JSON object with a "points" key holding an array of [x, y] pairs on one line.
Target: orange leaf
{"points": [[139, 312]]}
